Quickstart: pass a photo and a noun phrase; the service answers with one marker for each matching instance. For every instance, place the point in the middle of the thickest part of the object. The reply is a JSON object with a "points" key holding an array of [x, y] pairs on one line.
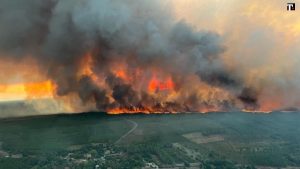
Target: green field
{"points": [[213, 140]]}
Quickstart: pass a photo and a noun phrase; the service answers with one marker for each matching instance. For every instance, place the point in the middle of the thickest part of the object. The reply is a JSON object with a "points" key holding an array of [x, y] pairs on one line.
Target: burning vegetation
{"points": [[119, 57]]}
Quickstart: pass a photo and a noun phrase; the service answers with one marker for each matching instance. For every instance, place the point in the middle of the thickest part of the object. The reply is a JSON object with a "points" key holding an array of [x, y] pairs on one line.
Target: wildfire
{"points": [[138, 110], [157, 85], [40, 89], [129, 111], [44, 89], [121, 74], [135, 61], [86, 66]]}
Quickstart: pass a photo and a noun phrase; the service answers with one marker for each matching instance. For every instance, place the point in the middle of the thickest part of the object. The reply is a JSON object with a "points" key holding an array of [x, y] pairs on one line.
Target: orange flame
{"points": [[122, 74], [44, 89], [157, 85], [86, 65], [40, 89]]}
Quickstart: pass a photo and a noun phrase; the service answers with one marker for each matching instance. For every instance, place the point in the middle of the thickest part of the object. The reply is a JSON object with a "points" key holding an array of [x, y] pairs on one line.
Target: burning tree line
{"points": [[122, 56]]}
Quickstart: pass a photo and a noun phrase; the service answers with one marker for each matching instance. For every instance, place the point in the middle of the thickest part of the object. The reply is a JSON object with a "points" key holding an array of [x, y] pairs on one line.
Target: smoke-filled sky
{"points": [[262, 42], [151, 56]]}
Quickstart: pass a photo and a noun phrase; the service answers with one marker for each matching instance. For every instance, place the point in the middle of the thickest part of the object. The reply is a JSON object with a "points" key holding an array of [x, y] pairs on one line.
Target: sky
{"points": [[261, 40]]}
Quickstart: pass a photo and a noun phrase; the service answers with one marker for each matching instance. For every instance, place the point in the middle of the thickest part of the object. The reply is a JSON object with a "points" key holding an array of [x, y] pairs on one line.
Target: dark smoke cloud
{"points": [[122, 93], [249, 97], [23, 26], [58, 33], [220, 78], [87, 90]]}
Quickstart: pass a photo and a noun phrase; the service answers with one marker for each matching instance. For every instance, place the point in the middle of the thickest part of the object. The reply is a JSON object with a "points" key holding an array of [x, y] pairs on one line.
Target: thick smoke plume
{"points": [[122, 55]]}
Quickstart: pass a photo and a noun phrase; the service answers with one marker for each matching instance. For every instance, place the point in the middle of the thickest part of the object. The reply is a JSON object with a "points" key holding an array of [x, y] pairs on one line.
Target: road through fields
{"points": [[135, 125]]}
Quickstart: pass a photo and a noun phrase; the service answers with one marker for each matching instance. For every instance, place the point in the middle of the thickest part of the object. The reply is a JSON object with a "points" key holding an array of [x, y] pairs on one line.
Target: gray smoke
{"points": [[58, 33]]}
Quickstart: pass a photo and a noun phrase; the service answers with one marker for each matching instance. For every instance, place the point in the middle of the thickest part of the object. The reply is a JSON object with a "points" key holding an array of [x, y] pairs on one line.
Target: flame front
{"points": [[133, 90], [158, 85], [120, 58]]}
